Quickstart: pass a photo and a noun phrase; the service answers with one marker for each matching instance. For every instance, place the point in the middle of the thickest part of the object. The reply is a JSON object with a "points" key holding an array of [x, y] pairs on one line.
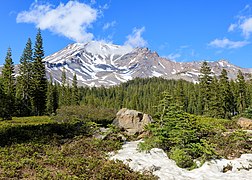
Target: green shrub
{"points": [[103, 116], [42, 132], [247, 113], [181, 157], [183, 136], [78, 158]]}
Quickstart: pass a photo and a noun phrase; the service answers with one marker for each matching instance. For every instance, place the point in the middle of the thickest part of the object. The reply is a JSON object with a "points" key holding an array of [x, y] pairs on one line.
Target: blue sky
{"points": [[182, 30]]}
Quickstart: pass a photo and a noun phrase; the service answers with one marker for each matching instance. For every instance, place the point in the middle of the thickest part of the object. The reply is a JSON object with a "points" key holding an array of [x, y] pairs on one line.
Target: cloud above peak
{"points": [[71, 20], [135, 39], [243, 22], [226, 43]]}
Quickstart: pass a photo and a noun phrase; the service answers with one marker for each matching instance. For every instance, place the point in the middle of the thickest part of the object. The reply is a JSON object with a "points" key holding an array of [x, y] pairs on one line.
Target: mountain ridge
{"points": [[102, 64]]}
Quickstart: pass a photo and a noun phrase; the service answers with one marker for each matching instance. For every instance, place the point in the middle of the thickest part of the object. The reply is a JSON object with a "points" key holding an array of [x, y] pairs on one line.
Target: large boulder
{"points": [[131, 121], [245, 123]]}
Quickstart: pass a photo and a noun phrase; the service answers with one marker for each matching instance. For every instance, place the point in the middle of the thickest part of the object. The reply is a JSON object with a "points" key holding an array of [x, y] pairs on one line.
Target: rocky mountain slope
{"points": [[96, 63]]}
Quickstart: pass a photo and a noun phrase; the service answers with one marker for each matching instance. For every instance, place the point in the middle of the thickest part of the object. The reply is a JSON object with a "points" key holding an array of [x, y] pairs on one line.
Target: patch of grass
{"points": [[33, 120]]}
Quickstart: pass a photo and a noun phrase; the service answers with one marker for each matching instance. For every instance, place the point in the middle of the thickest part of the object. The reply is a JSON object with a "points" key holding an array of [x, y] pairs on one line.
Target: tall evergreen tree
{"points": [[63, 89], [39, 80], [24, 80], [215, 103], [205, 80], [50, 97], [241, 92], [75, 91], [2, 98], [226, 96], [8, 85]]}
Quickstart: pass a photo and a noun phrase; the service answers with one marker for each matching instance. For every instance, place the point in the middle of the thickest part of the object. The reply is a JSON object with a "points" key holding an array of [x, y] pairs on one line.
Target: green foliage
{"points": [[75, 92], [205, 80], [83, 113], [241, 92], [58, 151], [20, 133], [8, 82], [226, 96], [232, 144], [181, 157], [248, 113], [24, 82], [51, 98], [185, 137], [39, 81]]}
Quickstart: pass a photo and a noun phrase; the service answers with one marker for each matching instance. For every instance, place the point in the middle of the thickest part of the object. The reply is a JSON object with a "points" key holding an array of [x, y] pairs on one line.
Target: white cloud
{"points": [[173, 56], [135, 39], [226, 43], [232, 27], [109, 25], [246, 27], [70, 20], [243, 22]]}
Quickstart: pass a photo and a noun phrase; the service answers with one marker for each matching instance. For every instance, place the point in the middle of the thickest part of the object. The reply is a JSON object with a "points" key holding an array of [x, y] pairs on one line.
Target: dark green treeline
{"points": [[30, 93], [213, 96]]}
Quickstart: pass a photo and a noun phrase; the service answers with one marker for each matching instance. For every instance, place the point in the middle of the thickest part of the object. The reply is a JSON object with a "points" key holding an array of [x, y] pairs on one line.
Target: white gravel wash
{"points": [[157, 162]]}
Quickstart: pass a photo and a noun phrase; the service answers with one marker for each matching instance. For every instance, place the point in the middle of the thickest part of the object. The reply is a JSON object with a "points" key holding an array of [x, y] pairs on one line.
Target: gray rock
{"points": [[245, 123], [132, 121]]}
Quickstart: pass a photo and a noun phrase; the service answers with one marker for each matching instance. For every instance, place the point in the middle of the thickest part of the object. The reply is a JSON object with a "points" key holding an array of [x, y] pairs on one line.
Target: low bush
{"points": [[78, 158], [99, 115], [20, 133]]}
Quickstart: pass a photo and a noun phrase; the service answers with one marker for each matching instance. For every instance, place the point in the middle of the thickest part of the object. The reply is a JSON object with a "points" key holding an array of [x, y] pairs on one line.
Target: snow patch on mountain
{"points": [[98, 63]]}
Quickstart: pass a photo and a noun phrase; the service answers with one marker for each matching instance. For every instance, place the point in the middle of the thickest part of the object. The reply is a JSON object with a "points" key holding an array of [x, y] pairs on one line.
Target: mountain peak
{"points": [[98, 63], [101, 48]]}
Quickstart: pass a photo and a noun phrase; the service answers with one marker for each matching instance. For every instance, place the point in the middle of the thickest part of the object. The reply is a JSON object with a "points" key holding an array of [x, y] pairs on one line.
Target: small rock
{"points": [[245, 123]]}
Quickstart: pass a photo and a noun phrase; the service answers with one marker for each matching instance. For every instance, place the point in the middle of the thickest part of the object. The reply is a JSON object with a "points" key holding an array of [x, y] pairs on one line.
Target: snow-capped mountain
{"points": [[97, 63]]}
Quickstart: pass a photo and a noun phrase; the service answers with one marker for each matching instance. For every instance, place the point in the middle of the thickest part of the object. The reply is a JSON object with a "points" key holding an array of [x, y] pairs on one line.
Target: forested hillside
{"points": [[29, 93]]}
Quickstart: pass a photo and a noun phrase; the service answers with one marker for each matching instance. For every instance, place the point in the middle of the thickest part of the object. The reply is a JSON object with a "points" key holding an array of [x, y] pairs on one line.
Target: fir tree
{"points": [[226, 97], [241, 92], [63, 90], [75, 91], [8, 85], [39, 80], [215, 99], [205, 80], [50, 97], [24, 80], [2, 99]]}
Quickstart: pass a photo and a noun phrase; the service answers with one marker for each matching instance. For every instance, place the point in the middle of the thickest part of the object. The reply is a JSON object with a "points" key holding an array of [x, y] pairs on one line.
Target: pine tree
{"points": [[75, 91], [39, 80], [63, 90], [24, 80], [226, 97], [8, 85], [234, 95], [50, 97], [2, 99], [241, 92], [205, 80], [55, 97], [215, 99]]}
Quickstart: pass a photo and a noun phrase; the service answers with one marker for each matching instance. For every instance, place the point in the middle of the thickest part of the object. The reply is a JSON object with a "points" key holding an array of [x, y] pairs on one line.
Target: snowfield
{"points": [[157, 162]]}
